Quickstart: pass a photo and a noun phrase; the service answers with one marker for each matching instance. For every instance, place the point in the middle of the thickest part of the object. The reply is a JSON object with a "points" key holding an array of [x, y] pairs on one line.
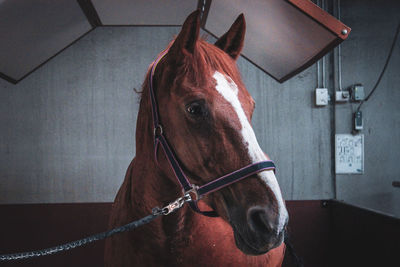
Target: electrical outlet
{"points": [[342, 96], [321, 96]]}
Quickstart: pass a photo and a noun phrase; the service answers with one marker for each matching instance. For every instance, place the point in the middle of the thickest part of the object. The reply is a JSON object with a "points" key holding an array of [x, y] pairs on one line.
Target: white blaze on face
{"points": [[229, 90]]}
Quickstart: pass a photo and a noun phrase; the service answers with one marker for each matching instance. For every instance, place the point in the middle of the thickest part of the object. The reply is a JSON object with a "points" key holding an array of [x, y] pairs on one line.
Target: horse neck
{"points": [[144, 129]]}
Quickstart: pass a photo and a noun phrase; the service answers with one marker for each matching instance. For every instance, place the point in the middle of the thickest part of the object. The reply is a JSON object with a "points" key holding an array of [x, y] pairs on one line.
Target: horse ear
{"points": [[186, 41], [232, 41]]}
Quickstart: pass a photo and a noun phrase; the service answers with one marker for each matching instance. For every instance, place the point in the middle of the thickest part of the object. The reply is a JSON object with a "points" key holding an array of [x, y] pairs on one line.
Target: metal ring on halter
{"points": [[160, 130], [193, 191]]}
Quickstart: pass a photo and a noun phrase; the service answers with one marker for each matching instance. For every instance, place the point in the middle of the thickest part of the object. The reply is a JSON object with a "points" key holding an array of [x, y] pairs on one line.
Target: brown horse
{"points": [[205, 111]]}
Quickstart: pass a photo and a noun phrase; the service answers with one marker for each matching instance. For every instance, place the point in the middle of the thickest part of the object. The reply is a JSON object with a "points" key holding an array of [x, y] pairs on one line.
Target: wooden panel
{"points": [[330, 22], [323, 233], [144, 12], [364, 237], [310, 232], [36, 226], [33, 226], [282, 38]]}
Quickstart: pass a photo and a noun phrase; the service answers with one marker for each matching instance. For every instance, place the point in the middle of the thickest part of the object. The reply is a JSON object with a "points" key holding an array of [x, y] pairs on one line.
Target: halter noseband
{"points": [[187, 187]]}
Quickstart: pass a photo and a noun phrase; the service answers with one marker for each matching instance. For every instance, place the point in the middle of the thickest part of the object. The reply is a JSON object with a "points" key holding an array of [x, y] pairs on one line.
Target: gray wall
{"points": [[68, 129]]}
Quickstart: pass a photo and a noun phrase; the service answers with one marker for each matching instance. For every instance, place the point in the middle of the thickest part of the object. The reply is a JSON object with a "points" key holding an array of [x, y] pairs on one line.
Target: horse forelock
{"points": [[200, 66], [208, 59]]}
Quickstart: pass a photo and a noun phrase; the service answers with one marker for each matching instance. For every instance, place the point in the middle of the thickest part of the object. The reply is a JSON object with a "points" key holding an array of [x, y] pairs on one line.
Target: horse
{"points": [[205, 111]]}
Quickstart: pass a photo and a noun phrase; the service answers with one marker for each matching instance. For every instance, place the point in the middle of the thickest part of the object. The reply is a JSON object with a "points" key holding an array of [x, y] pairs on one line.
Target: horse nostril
{"points": [[259, 220]]}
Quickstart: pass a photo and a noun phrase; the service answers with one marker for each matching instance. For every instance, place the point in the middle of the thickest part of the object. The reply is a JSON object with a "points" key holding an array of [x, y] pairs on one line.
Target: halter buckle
{"points": [[192, 193], [158, 130]]}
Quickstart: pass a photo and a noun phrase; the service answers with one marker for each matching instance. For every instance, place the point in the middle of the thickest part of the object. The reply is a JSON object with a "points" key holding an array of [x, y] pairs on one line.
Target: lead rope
{"points": [[78, 243], [156, 212], [297, 260]]}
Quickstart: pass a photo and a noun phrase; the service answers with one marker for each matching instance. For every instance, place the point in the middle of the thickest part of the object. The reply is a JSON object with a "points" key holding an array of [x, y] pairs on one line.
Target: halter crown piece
{"points": [[187, 187]]}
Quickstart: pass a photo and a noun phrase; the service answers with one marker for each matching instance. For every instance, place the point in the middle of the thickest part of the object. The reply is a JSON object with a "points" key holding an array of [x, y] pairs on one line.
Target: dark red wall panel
{"points": [[323, 233], [36, 226]]}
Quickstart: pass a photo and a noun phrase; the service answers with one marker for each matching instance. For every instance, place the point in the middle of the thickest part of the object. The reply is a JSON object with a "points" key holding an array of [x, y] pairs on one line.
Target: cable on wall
{"points": [[319, 61], [339, 52], [318, 74], [323, 58], [384, 67]]}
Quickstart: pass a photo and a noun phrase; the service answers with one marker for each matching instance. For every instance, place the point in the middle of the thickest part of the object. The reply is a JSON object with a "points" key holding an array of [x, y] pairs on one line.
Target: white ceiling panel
{"points": [[144, 12], [31, 32]]}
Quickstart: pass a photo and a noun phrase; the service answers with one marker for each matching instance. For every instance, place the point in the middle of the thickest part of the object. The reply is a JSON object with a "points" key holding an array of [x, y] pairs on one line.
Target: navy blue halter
{"points": [[187, 187]]}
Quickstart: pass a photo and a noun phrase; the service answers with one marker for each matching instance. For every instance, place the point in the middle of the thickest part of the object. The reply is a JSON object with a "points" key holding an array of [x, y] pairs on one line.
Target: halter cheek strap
{"points": [[188, 188]]}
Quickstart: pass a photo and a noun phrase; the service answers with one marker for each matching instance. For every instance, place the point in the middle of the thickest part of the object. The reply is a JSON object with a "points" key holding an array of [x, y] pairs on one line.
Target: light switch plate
{"points": [[321, 96]]}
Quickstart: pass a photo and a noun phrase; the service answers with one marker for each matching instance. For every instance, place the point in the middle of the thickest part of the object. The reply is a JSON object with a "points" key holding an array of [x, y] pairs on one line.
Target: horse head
{"points": [[206, 114]]}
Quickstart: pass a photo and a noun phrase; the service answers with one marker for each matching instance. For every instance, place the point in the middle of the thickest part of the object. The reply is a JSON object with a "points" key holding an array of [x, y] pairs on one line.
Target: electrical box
{"points": [[349, 154], [321, 96], [357, 92]]}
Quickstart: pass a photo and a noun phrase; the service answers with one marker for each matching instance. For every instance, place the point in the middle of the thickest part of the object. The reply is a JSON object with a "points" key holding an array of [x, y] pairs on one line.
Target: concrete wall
{"points": [[67, 130]]}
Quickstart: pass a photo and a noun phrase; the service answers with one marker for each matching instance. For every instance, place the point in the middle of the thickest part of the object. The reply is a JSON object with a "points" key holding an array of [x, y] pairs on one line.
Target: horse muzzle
{"points": [[261, 232]]}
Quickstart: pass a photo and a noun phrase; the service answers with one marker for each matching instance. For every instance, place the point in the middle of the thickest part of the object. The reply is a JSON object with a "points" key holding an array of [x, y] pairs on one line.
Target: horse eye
{"points": [[195, 109]]}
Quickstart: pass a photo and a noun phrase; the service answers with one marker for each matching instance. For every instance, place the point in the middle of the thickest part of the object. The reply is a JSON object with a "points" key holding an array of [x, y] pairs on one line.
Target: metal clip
{"points": [[175, 205]]}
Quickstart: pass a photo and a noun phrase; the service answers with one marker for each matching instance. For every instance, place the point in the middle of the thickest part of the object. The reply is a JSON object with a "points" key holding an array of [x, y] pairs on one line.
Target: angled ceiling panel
{"points": [[282, 37], [31, 32], [144, 12]]}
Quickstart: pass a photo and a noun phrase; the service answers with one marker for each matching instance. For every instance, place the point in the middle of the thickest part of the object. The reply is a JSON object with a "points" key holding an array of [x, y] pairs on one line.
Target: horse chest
{"points": [[210, 242]]}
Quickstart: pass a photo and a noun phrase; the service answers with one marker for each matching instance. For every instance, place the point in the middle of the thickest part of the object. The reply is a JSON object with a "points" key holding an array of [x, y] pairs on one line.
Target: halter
{"points": [[187, 187]]}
